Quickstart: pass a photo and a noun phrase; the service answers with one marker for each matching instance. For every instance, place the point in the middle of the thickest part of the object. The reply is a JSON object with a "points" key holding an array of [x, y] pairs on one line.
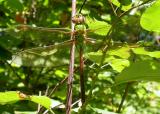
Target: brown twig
{"points": [[61, 82], [114, 11], [71, 66], [57, 85]]}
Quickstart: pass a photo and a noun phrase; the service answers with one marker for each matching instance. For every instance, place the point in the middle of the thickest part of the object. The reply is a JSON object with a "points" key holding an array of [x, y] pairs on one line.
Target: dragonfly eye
{"points": [[78, 19]]}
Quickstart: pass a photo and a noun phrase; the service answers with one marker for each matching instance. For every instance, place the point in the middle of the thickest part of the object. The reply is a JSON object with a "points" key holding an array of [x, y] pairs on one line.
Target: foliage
{"points": [[149, 19], [12, 96], [121, 67]]}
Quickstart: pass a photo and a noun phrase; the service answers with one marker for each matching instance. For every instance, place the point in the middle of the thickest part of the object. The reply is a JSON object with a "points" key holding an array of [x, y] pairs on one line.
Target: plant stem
{"points": [[123, 97], [13, 70], [82, 6], [71, 65]]}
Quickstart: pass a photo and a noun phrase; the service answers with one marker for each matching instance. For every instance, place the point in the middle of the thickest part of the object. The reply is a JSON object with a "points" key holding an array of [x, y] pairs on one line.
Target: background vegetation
{"points": [[120, 78]]}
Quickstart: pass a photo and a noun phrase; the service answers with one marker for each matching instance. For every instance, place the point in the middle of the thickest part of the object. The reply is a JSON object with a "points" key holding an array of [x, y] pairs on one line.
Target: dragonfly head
{"points": [[78, 19]]}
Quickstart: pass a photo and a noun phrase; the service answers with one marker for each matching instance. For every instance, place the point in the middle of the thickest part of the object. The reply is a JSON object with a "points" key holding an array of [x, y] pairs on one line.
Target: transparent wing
{"points": [[39, 35], [38, 46], [48, 56]]}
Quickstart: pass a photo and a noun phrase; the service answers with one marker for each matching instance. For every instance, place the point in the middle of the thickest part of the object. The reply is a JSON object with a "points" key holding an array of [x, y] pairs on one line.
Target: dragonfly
{"points": [[46, 47], [50, 46]]}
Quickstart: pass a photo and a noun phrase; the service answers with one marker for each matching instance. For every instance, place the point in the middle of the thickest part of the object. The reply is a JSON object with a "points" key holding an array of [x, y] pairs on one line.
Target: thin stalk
{"points": [[60, 84], [118, 18], [82, 86], [114, 10], [70, 79], [82, 6], [71, 65], [57, 85], [123, 97], [121, 15], [14, 71], [39, 106]]}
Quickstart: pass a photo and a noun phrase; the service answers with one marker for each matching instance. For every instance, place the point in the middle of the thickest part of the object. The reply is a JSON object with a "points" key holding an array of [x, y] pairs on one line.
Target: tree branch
{"points": [[71, 65]]}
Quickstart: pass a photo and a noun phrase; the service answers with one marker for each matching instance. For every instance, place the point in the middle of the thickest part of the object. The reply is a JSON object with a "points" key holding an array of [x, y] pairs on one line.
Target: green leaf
{"points": [[2, 70], [25, 112], [6, 109], [100, 27], [140, 71], [60, 73], [125, 2], [5, 54], [102, 111], [117, 64], [142, 51], [9, 97], [95, 57], [42, 100], [120, 51], [14, 96], [15, 5], [104, 75], [126, 5], [150, 18], [1, 1], [46, 2]]}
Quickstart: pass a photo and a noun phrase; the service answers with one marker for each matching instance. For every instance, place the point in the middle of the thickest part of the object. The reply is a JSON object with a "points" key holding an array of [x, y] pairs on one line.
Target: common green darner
{"points": [[45, 46]]}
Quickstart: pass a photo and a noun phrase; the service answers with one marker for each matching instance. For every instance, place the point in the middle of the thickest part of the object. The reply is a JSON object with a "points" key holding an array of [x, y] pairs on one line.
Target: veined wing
{"points": [[48, 56], [36, 35], [41, 46], [29, 27]]}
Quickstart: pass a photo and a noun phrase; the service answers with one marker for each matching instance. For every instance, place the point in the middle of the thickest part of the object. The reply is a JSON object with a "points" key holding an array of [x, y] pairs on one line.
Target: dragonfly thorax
{"points": [[80, 34], [80, 28]]}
